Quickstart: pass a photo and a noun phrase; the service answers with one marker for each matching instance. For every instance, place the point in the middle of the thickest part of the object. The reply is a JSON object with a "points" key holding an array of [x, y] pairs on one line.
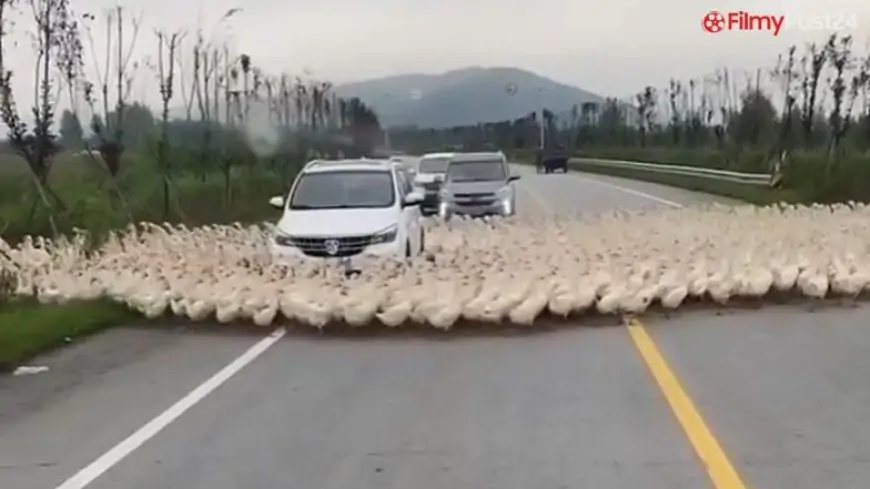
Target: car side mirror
{"points": [[513, 178], [413, 198], [277, 202]]}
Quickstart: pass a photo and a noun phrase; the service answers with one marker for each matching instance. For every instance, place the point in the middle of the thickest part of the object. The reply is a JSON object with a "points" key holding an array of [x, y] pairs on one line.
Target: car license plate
{"points": [[349, 265]]}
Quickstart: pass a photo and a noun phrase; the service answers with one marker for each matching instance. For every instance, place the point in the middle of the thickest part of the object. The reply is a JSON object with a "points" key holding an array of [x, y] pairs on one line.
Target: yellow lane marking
{"points": [[718, 466]]}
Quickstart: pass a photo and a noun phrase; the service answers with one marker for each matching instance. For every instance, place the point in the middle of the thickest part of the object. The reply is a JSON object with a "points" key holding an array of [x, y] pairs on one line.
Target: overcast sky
{"points": [[610, 48]]}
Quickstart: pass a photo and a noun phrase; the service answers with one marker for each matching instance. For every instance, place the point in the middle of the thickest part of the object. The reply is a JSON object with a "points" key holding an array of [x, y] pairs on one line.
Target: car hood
{"points": [[336, 222], [427, 177], [474, 187]]}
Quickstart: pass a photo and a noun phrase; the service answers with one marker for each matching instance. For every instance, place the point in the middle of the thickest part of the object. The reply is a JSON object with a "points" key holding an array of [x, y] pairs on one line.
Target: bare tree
{"points": [[862, 80], [186, 88], [646, 112], [55, 26], [674, 92], [116, 72], [203, 75], [812, 64], [839, 51], [786, 75], [204, 88], [167, 46]]}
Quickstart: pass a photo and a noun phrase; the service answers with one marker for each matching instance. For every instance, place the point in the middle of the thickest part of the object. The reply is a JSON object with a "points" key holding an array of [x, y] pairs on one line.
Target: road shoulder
{"points": [[96, 393]]}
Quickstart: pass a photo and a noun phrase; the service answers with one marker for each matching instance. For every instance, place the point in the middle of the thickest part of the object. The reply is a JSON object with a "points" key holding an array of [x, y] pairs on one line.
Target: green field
{"points": [[90, 201]]}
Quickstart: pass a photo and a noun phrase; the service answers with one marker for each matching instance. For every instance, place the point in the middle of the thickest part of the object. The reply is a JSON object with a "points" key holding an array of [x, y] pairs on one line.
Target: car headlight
{"points": [[504, 192], [386, 236], [282, 240], [444, 193]]}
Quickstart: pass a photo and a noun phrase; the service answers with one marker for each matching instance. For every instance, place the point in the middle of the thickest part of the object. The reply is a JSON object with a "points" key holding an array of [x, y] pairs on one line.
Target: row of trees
{"points": [[819, 102], [223, 95]]}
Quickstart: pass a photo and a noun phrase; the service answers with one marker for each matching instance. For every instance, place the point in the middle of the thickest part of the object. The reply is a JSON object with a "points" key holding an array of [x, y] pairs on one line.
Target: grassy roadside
{"points": [[748, 193], [808, 176], [27, 330]]}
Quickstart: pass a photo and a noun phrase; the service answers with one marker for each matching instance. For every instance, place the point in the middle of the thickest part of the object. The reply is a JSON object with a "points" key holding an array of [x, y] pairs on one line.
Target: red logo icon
{"points": [[713, 22]]}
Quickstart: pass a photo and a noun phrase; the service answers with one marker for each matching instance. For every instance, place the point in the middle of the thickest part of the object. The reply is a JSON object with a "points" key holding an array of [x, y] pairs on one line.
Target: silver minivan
{"points": [[429, 177], [478, 184]]}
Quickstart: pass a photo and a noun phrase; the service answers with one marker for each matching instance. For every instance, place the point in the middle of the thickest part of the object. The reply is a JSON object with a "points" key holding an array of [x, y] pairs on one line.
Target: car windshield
{"points": [[434, 165], [476, 171], [343, 190]]}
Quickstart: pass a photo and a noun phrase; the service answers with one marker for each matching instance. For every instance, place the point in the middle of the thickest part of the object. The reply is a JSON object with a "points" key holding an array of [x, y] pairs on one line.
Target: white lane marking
{"points": [[542, 202], [633, 192], [117, 453]]}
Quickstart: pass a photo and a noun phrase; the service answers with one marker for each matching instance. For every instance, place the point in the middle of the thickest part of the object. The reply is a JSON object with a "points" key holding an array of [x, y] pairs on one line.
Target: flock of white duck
{"points": [[508, 270]]}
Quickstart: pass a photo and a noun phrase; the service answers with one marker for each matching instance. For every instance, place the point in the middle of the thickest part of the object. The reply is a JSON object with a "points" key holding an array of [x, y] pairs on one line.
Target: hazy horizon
{"points": [[610, 49]]}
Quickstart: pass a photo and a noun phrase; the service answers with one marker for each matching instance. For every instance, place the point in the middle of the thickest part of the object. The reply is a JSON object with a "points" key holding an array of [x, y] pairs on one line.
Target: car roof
{"points": [[438, 155], [479, 156], [348, 164]]}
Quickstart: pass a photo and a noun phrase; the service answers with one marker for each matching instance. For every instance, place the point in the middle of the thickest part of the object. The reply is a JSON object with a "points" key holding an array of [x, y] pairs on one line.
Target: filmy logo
{"points": [[740, 20]]}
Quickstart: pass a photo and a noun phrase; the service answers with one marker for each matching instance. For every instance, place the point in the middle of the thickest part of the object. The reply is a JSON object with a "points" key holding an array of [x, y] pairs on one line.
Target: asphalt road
{"points": [[775, 398]]}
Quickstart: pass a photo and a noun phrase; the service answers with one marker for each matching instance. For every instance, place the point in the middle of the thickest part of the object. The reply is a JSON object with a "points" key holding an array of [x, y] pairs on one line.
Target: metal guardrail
{"points": [[761, 179]]}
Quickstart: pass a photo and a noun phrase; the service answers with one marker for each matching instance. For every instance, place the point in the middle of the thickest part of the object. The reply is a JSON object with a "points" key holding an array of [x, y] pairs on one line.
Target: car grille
{"points": [[475, 199], [347, 246]]}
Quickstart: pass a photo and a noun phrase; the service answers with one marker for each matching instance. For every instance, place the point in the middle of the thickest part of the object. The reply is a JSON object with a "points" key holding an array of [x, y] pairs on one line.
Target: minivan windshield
{"points": [[476, 171], [344, 190], [434, 165]]}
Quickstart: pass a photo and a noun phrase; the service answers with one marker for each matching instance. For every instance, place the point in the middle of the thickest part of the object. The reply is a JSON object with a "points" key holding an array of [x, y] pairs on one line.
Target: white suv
{"points": [[347, 210]]}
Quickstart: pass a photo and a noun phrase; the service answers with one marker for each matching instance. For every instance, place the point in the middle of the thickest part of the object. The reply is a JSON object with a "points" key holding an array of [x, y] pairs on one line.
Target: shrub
{"points": [[8, 284]]}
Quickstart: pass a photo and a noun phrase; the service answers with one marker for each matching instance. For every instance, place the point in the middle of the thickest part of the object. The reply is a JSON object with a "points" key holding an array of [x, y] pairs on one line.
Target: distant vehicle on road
{"points": [[554, 159], [407, 166], [430, 175], [478, 184], [344, 210]]}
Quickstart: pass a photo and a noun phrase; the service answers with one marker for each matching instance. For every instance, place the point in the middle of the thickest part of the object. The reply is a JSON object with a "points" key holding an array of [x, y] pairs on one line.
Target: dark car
{"points": [[553, 159]]}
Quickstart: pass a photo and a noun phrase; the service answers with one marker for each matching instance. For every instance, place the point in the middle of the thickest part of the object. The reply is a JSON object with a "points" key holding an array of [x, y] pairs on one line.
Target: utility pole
{"points": [[541, 116]]}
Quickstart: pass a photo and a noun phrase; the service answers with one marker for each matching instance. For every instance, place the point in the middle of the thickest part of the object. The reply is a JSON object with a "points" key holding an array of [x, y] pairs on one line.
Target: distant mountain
{"points": [[463, 96]]}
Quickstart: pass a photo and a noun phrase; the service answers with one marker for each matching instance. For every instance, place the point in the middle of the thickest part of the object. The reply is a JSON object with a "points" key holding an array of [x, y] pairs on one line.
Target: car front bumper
{"points": [[501, 207], [371, 254]]}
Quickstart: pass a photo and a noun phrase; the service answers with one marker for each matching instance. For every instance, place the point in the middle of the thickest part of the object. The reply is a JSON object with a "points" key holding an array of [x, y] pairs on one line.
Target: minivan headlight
{"points": [[282, 240], [386, 236]]}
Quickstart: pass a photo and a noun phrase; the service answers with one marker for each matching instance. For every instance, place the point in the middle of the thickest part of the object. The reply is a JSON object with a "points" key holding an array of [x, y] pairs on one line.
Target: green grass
{"points": [[27, 330], [198, 194], [198, 197]]}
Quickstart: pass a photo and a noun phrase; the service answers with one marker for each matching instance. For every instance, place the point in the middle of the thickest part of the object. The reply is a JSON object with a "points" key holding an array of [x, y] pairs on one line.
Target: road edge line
{"points": [[706, 446], [638, 193], [541, 202], [110, 458]]}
